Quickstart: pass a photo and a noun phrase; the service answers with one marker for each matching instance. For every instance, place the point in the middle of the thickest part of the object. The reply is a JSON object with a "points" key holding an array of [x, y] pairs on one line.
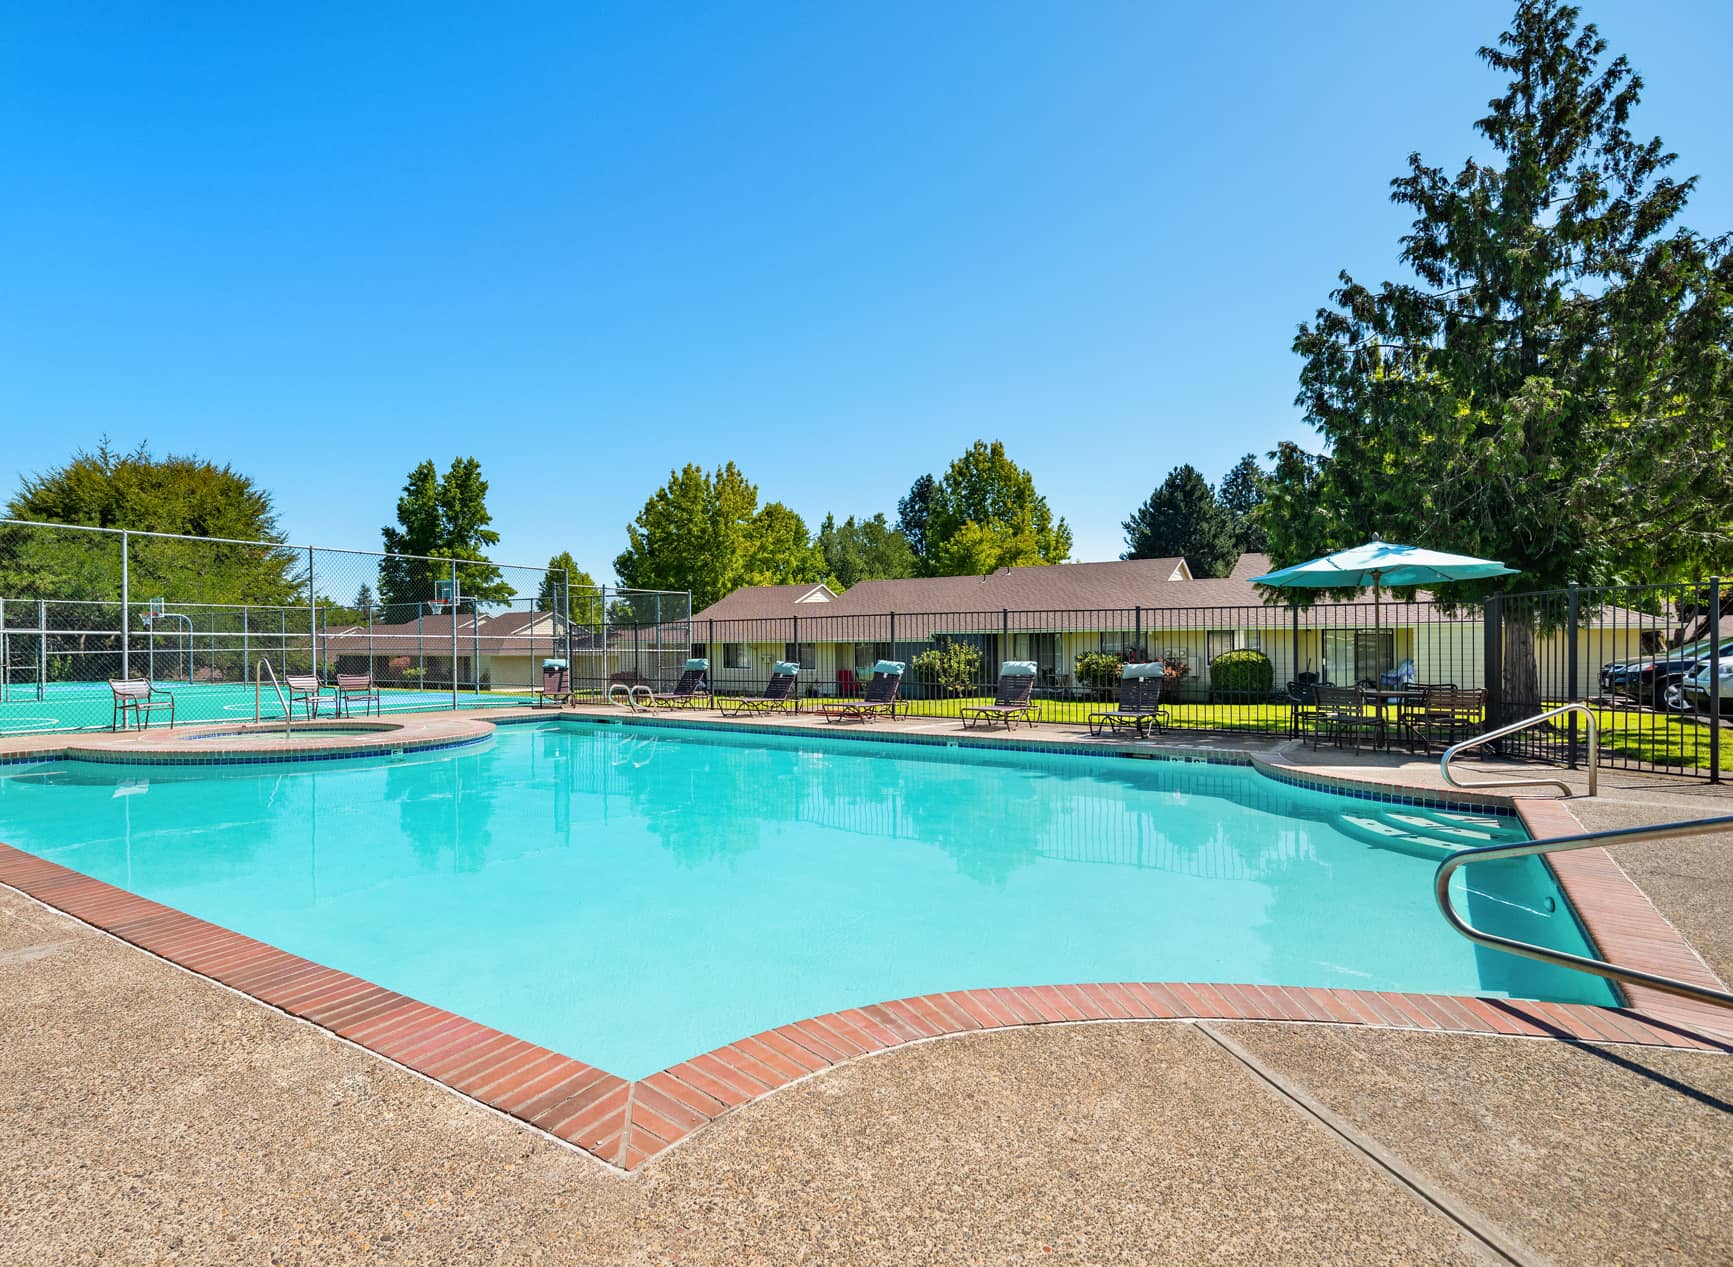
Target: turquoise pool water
{"points": [[635, 896]]}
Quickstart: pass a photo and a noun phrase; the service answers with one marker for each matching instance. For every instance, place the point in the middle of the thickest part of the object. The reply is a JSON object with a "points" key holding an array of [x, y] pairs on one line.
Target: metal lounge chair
{"points": [[1139, 701], [556, 684], [692, 688], [778, 693], [138, 698], [880, 699], [1014, 702], [357, 686], [305, 688]]}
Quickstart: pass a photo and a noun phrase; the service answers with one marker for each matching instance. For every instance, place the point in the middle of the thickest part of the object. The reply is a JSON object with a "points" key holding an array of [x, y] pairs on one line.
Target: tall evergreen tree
{"points": [[1183, 517], [1241, 495], [1556, 388], [913, 511]]}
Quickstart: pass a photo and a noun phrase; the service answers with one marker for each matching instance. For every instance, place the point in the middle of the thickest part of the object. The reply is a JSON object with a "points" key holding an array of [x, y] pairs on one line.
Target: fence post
{"points": [[246, 651], [125, 620], [474, 650], [1572, 609], [1492, 660], [451, 613], [796, 620], [41, 649], [1714, 679], [312, 617]]}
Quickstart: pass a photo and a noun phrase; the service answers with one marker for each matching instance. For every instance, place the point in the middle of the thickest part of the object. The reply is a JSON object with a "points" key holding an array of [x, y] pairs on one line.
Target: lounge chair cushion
{"points": [[1152, 669], [1018, 668], [785, 668], [553, 664], [892, 668], [698, 664]]}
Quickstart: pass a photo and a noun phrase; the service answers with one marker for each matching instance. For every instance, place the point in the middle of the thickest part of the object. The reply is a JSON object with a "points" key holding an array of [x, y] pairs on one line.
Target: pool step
{"points": [[1428, 833]]}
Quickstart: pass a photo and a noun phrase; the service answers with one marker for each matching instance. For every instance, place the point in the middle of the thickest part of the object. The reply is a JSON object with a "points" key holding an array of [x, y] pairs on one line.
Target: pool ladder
{"points": [[266, 671], [1559, 958], [1515, 727]]}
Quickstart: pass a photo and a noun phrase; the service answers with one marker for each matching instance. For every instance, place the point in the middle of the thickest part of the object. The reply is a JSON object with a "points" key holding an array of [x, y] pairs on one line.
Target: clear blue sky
{"points": [[835, 243]]}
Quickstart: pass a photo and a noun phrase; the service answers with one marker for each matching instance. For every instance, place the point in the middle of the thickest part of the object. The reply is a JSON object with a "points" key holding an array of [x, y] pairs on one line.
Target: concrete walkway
{"points": [[153, 1117]]}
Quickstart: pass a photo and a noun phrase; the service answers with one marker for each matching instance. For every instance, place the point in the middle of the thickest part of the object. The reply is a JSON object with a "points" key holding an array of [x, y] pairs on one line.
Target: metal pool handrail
{"points": [[265, 670], [1525, 724], [1560, 958]]}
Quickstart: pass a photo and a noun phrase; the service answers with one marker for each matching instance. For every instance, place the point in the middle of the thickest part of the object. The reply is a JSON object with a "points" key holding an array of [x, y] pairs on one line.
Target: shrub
{"points": [[953, 666], [1244, 672], [1099, 669]]}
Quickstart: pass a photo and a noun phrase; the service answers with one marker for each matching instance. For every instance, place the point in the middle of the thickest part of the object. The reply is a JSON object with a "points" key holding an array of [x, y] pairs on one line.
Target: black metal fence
{"points": [[1655, 661]]}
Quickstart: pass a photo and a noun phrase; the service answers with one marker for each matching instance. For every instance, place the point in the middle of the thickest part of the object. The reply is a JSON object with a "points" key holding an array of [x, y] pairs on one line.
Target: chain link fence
{"points": [[202, 618]]}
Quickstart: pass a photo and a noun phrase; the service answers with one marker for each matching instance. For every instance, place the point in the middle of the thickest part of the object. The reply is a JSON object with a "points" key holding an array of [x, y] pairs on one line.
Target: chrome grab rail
{"points": [[1564, 959], [1525, 724], [258, 685]]}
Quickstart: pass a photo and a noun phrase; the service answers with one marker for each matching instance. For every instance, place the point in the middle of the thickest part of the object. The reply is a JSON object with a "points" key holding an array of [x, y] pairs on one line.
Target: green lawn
{"points": [[1633, 736]]}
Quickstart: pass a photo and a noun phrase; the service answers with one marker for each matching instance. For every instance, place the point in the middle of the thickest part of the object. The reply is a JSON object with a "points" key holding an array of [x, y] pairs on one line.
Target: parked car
{"points": [[1693, 691], [1655, 679]]}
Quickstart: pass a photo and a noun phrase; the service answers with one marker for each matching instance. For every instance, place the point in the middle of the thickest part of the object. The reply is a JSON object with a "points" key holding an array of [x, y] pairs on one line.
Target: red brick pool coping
{"points": [[625, 1123]]}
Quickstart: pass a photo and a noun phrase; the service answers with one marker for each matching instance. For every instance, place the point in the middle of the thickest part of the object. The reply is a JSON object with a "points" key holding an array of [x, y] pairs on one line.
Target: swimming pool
{"points": [[632, 896]]}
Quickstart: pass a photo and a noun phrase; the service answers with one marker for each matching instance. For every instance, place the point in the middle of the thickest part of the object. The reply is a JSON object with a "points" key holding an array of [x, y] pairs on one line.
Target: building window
{"points": [[700, 651], [805, 655], [734, 656]]}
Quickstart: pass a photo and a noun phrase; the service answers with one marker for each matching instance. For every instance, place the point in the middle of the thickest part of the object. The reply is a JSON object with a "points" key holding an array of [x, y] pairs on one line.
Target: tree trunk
{"points": [[1521, 693]]}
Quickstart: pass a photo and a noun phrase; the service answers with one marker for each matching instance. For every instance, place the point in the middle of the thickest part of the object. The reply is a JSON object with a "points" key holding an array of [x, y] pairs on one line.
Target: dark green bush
{"points": [[1098, 669], [1244, 672]]}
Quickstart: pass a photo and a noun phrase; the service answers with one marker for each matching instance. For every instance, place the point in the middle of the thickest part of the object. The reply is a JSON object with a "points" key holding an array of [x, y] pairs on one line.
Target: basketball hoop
{"points": [[444, 597]]}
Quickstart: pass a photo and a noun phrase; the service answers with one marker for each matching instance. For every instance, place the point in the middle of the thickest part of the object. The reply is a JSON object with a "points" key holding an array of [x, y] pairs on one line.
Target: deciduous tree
{"points": [[135, 490], [441, 518], [583, 599], [692, 534], [985, 514], [864, 550]]}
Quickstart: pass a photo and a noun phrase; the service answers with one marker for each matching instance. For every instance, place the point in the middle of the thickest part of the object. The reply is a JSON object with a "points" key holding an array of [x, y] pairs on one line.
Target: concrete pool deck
{"points": [[1098, 1141]]}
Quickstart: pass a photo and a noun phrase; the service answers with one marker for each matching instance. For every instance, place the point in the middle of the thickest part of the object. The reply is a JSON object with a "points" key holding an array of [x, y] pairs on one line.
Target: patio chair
{"points": [[692, 688], [778, 693], [1341, 713], [357, 686], [1014, 702], [305, 688], [556, 684], [1139, 701], [880, 699], [1444, 714], [138, 698]]}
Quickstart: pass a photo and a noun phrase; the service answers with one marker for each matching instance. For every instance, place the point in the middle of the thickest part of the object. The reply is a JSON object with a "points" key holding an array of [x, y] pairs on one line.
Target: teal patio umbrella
{"points": [[1379, 563]]}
